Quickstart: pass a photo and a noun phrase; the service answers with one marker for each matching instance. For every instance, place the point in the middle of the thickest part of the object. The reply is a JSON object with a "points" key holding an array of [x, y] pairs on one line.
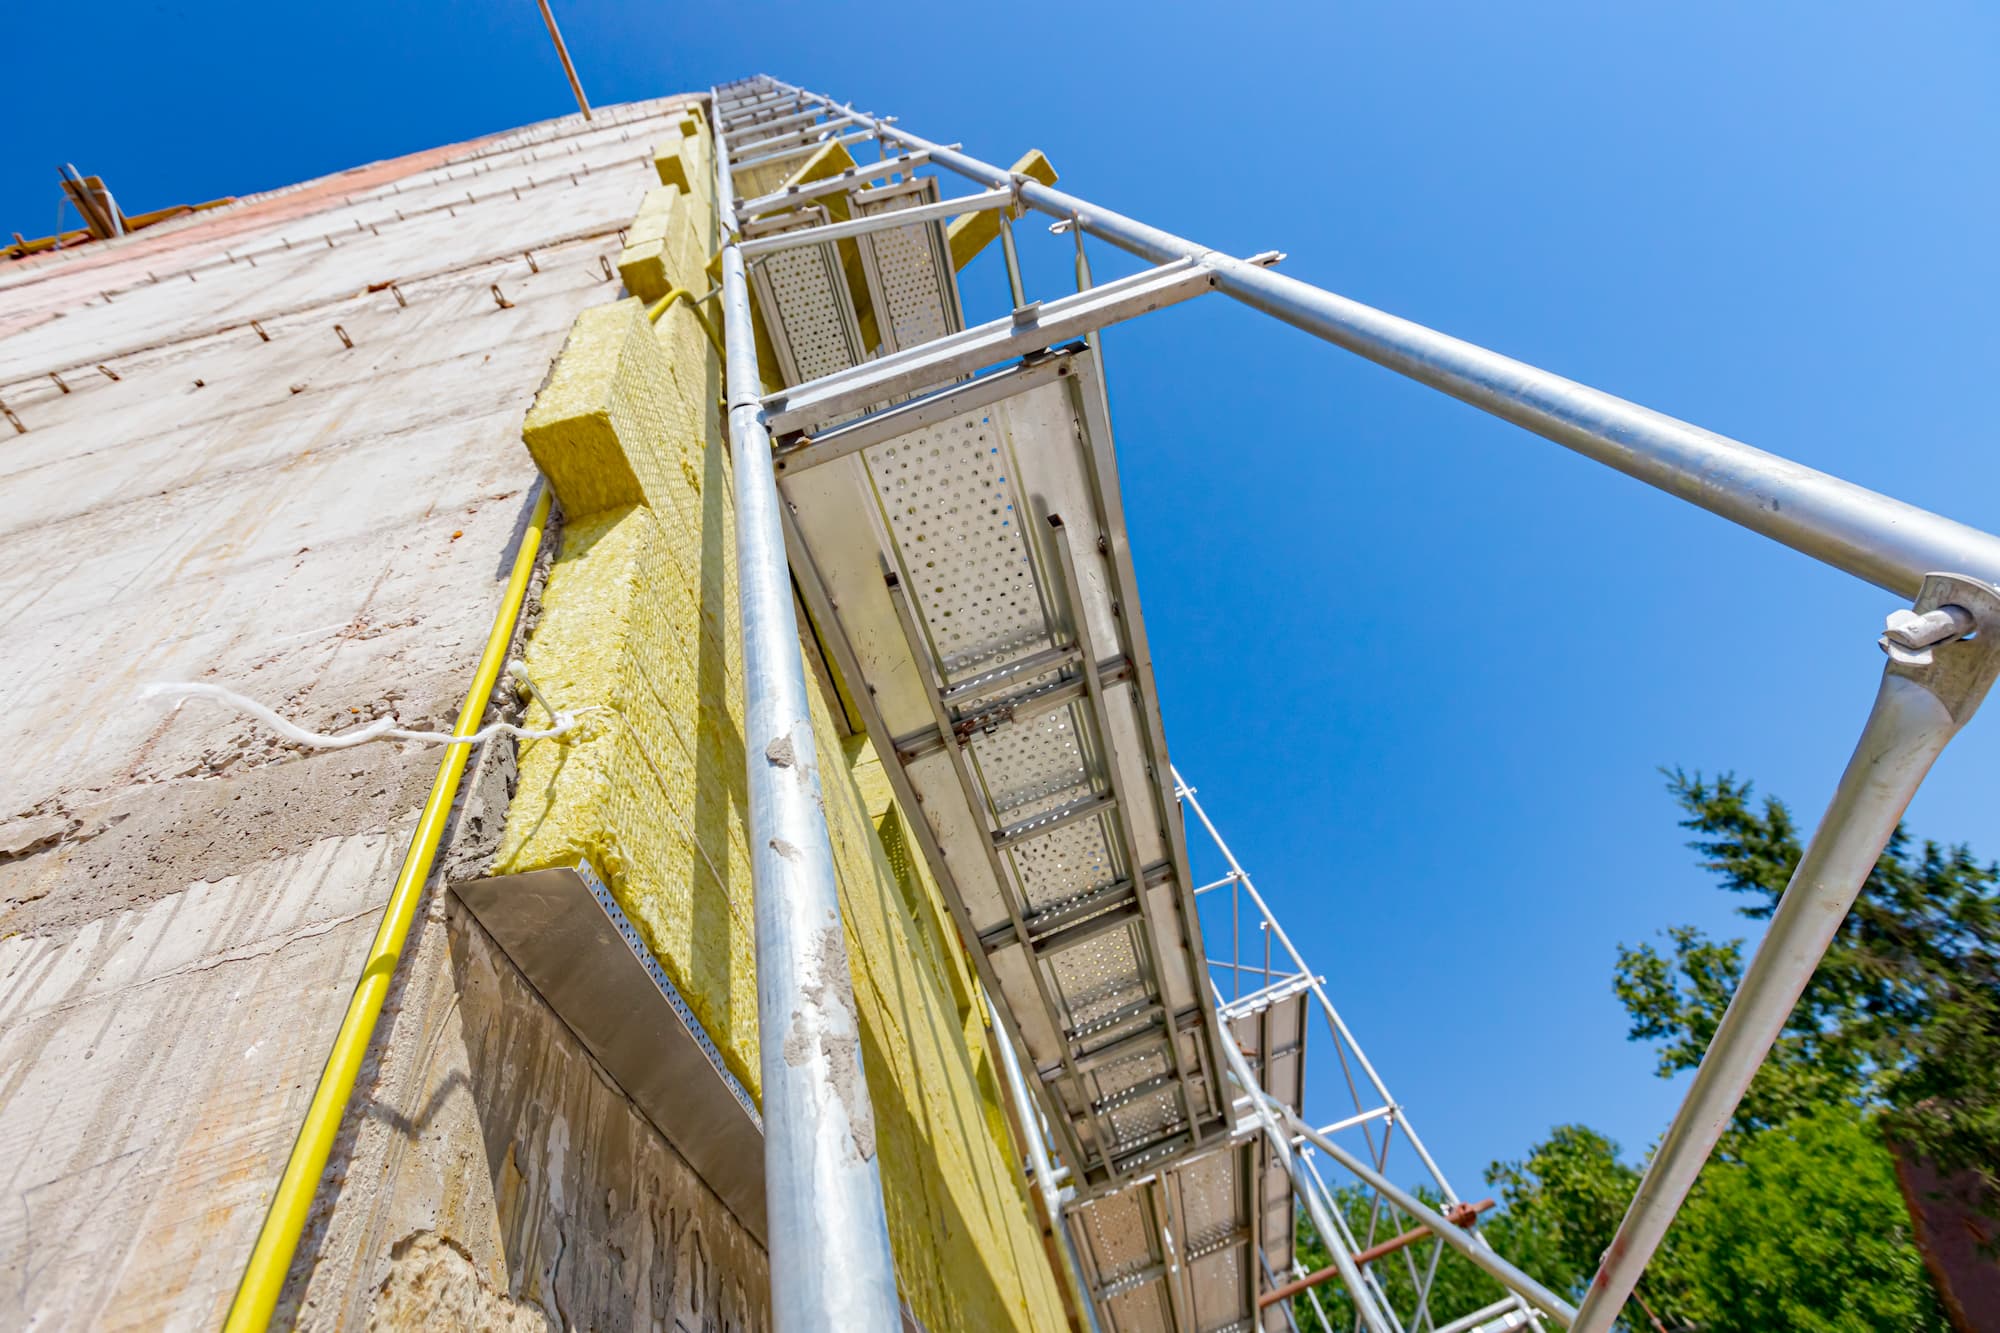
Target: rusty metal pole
{"points": [[1459, 1214], [555, 35]]}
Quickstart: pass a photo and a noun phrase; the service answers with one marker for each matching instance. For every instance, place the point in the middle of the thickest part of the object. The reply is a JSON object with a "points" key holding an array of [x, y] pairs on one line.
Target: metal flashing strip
{"points": [[955, 567], [578, 949]]}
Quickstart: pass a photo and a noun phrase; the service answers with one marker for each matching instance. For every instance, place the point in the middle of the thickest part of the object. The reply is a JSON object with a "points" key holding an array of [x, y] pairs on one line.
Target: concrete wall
{"points": [[184, 904], [278, 448]]}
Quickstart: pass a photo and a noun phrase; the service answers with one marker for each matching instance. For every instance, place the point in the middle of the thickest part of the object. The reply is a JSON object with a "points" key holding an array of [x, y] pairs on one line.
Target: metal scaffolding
{"points": [[947, 498]]}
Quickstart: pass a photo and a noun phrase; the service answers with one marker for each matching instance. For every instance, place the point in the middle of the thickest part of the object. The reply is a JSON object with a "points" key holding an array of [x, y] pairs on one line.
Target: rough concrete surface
{"points": [[240, 496]]}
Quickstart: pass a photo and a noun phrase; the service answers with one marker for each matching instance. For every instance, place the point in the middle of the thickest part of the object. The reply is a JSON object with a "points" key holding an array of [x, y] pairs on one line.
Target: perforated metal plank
{"points": [[802, 294], [1232, 1203], [911, 282], [1192, 1220], [1215, 1203], [1120, 1241], [1272, 1037], [957, 608]]}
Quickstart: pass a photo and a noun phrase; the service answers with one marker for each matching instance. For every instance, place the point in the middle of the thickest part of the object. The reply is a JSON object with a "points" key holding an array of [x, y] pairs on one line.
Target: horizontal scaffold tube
{"points": [[1468, 1245], [1872, 536]]}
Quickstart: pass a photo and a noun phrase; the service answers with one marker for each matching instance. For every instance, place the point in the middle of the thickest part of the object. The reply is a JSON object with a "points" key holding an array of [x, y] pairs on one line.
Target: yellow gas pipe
{"points": [[271, 1258]]}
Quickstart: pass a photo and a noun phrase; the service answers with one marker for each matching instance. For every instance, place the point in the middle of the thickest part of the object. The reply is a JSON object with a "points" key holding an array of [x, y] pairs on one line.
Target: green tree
{"points": [[1903, 1012], [1563, 1203], [1558, 1209], [1797, 1223], [1804, 1229]]}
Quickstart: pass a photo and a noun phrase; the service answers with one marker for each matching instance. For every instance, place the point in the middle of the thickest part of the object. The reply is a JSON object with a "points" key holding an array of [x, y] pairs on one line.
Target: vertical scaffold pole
{"points": [[831, 1265], [1038, 1156], [1366, 1313]]}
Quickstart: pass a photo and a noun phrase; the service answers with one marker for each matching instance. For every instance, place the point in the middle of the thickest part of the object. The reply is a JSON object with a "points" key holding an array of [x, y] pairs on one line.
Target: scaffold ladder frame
{"points": [[1942, 650]]}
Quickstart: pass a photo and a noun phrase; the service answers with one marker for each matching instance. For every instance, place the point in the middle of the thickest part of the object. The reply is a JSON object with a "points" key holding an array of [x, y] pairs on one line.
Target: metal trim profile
{"points": [[831, 1264], [566, 933]]}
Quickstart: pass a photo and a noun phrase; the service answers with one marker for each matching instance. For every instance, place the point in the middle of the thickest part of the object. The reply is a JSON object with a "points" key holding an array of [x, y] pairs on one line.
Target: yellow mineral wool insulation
{"points": [[685, 345], [686, 159], [639, 616], [829, 159], [663, 249], [968, 1254], [927, 906], [670, 159], [652, 795], [612, 422], [972, 232]]}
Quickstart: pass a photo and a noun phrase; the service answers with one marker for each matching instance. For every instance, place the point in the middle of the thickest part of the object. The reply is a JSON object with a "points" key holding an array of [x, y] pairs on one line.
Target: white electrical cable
{"points": [[382, 729]]}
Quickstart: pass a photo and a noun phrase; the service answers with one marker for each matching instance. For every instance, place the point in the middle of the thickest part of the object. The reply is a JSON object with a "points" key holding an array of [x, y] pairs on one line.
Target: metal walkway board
{"points": [[808, 303], [965, 557], [1231, 1207]]}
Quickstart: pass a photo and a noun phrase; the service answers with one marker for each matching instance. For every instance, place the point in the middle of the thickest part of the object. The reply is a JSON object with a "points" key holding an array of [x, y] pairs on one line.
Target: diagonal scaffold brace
{"points": [[1943, 657]]}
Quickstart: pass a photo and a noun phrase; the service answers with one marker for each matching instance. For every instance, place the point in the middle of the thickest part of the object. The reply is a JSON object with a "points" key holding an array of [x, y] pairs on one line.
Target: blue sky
{"points": [[1423, 666]]}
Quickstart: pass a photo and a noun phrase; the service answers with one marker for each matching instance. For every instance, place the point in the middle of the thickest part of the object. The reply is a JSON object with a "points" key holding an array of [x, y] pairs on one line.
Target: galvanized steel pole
{"points": [[1030, 1117], [830, 1261], [1465, 1242], [1371, 1317], [1925, 698], [1872, 536]]}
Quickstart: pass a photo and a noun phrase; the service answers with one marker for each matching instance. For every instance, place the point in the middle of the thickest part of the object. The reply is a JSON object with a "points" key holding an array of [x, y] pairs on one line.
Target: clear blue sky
{"points": [[1423, 666]]}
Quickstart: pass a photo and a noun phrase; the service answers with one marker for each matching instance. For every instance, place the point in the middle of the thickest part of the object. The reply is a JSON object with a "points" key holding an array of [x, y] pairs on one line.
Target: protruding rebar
{"points": [[562, 50]]}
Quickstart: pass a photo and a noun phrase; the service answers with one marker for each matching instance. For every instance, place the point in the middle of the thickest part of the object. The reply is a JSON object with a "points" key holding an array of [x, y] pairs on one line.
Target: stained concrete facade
{"points": [[209, 483]]}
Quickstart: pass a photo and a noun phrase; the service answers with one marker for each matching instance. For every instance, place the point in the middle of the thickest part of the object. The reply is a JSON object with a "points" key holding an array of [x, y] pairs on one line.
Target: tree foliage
{"points": [[1797, 1223], [1804, 1229], [1901, 1012]]}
